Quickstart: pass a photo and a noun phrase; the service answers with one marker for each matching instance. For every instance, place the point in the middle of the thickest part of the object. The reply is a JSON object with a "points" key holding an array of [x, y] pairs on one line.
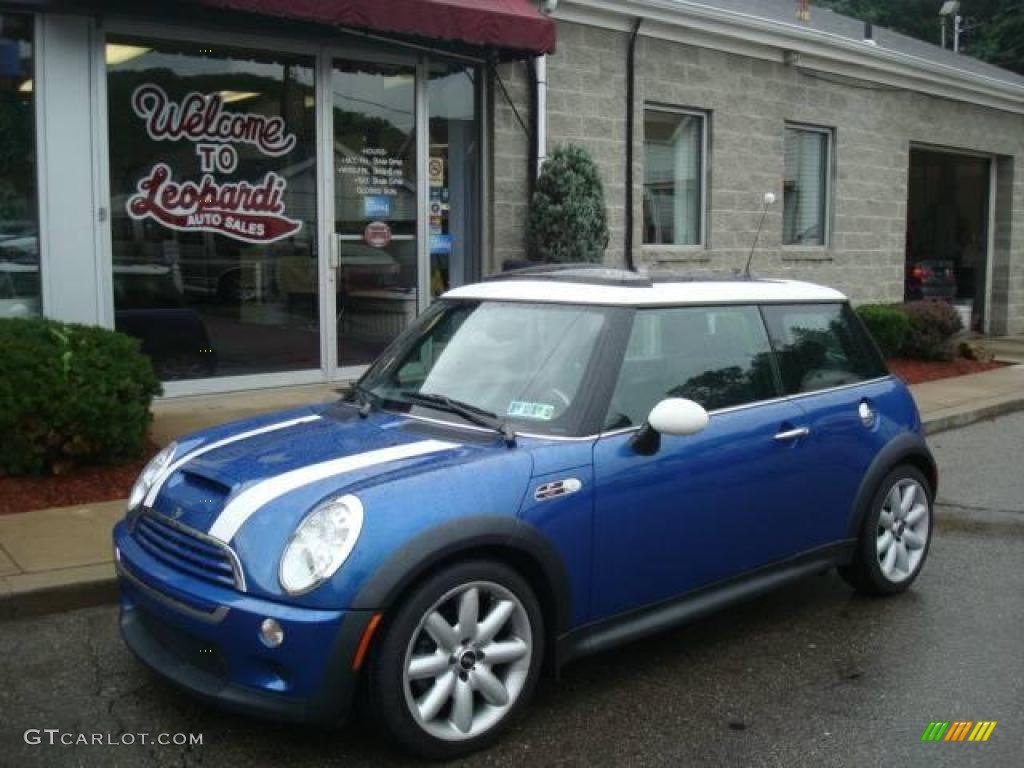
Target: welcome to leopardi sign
{"points": [[253, 212]]}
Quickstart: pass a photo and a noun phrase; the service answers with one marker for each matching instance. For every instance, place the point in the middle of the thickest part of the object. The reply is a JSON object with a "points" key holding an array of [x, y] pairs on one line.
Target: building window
{"points": [[807, 185], [213, 192], [675, 148], [19, 224]]}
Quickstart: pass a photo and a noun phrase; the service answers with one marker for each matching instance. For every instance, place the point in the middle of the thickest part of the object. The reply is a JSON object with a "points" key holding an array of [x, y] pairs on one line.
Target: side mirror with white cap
{"points": [[672, 416]]}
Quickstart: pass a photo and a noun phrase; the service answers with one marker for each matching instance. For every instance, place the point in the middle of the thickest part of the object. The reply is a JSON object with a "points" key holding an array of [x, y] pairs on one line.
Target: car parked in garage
{"points": [[930, 279], [543, 466]]}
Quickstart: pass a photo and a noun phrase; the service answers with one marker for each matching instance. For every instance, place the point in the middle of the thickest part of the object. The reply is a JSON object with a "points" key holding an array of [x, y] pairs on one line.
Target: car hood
{"points": [[221, 478]]}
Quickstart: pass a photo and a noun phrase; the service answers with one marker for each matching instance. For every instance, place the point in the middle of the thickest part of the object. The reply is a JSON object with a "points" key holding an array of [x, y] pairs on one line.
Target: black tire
{"points": [[865, 573], [386, 694]]}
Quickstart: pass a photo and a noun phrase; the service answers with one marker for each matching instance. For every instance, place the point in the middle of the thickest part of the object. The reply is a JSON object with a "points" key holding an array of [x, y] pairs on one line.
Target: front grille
{"points": [[187, 550]]}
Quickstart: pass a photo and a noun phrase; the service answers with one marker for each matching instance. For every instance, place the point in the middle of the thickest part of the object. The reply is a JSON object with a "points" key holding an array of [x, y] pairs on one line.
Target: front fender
{"points": [[402, 506], [497, 535]]}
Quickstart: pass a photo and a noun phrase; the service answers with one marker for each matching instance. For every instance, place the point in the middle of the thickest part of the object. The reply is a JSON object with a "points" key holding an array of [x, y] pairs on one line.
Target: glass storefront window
{"points": [[374, 113], [19, 221], [454, 171], [213, 206]]}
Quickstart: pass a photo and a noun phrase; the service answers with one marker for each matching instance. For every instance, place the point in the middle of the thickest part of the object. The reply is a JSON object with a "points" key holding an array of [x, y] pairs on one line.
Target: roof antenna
{"points": [[769, 200]]}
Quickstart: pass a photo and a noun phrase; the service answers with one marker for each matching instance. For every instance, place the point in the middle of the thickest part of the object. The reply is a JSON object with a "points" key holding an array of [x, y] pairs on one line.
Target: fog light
{"points": [[271, 633]]}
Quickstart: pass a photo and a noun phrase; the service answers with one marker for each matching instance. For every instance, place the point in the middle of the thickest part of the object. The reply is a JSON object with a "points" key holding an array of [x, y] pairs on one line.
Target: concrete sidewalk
{"points": [[956, 402], [57, 559]]}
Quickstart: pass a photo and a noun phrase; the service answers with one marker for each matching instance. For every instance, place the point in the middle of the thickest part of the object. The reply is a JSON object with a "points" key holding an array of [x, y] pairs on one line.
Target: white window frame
{"points": [[705, 167], [830, 170]]}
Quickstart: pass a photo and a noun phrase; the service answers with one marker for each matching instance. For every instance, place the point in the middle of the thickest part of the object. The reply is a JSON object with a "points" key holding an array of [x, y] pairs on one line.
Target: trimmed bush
{"points": [[887, 324], [932, 327], [70, 394], [567, 221]]}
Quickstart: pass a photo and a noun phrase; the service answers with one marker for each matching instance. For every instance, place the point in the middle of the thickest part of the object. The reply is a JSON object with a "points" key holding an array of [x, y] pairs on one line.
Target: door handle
{"points": [[792, 434]]}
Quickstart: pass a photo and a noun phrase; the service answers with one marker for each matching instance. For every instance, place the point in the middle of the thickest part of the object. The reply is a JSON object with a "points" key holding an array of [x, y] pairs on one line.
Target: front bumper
{"points": [[205, 639]]}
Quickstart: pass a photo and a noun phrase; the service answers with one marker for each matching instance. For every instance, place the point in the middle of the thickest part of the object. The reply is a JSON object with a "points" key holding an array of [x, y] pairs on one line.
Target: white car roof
{"points": [[647, 293]]}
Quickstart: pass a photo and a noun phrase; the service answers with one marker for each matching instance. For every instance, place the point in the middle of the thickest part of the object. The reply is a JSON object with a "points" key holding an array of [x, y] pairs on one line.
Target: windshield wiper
{"points": [[469, 412]]}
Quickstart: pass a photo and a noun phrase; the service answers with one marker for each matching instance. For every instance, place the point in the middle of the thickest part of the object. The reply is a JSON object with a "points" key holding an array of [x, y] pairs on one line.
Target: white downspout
{"points": [[541, 69]]}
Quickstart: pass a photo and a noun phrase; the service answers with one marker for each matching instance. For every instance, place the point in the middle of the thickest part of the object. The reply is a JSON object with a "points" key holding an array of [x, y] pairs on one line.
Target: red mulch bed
{"points": [[79, 486], [918, 371]]}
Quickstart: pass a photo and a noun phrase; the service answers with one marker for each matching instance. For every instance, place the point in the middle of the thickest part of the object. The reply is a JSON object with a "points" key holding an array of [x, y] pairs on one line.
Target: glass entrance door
{"points": [[375, 159]]}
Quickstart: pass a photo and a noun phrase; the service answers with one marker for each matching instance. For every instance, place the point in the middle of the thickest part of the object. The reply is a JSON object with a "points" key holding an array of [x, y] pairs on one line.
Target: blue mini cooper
{"points": [[546, 464]]}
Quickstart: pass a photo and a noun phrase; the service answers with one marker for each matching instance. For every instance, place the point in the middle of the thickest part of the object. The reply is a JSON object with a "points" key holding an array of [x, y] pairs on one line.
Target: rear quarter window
{"points": [[819, 346]]}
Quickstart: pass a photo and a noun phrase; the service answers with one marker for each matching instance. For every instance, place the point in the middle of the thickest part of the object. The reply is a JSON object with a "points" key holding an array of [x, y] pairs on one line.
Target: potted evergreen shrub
{"points": [[567, 219]]}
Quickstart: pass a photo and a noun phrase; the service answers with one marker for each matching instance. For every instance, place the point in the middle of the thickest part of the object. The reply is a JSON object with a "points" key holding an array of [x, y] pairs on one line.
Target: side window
{"points": [[820, 346], [717, 356]]}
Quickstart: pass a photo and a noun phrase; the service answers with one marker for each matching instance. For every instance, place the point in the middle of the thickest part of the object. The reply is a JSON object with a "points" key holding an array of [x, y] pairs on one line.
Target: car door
{"points": [[707, 506], [832, 371]]}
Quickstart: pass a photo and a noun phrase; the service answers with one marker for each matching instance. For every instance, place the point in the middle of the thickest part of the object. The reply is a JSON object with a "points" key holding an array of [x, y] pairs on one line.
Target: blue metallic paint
{"points": [[642, 529], [678, 519], [841, 448]]}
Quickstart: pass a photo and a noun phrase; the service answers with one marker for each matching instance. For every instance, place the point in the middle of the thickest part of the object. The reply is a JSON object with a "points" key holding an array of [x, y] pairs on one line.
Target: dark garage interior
{"points": [[947, 230]]}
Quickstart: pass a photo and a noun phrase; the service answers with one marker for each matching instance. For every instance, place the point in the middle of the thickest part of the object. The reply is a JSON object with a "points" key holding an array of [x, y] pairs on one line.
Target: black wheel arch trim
{"points": [[488, 534], [905, 448]]}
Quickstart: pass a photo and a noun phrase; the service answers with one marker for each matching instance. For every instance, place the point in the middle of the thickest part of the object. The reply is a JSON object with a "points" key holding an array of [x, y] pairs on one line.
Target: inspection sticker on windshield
{"points": [[523, 410]]}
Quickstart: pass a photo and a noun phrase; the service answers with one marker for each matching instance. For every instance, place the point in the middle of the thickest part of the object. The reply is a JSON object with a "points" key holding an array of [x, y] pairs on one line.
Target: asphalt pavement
{"points": [[813, 675]]}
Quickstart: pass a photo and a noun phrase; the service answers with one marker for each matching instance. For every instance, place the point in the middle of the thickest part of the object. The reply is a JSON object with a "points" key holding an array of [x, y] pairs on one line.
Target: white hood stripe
{"points": [[246, 504], [178, 463]]}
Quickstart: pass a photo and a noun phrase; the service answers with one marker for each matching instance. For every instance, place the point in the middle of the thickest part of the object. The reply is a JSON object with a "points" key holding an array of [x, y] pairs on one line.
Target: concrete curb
{"points": [[34, 594], [954, 418]]}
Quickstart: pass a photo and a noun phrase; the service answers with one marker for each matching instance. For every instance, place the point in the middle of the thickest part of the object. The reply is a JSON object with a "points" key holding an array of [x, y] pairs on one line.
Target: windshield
{"points": [[524, 363]]}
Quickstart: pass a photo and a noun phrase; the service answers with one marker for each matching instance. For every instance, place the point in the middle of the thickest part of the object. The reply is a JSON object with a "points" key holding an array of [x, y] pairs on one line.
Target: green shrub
{"points": [[567, 221], [70, 394], [887, 324], [932, 327]]}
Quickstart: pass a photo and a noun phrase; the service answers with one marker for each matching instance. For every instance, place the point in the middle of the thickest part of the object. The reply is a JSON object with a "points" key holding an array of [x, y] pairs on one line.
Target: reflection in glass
{"points": [[821, 346], [375, 205], [454, 170], [526, 363], [717, 356], [19, 238], [213, 206]]}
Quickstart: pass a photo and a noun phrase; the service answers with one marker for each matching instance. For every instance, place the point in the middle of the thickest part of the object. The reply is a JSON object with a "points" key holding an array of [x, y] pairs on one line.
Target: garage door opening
{"points": [[948, 226]]}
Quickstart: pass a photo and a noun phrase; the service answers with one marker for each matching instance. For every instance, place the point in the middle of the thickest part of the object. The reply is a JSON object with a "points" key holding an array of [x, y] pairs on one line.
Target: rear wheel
{"points": [[895, 535], [459, 660]]}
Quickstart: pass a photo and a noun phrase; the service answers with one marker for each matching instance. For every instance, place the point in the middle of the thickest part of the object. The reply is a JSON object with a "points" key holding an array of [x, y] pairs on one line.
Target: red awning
{"points": [[513, 24]]}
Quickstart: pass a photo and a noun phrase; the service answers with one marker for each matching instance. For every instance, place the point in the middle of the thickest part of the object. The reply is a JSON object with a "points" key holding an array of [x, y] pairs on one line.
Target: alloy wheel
{"points": [[903, 529], [468, 660]]}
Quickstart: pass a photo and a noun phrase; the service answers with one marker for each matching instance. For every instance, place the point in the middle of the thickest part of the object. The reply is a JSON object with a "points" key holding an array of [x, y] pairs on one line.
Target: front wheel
{"points": [[458, 660], [895, 536]]}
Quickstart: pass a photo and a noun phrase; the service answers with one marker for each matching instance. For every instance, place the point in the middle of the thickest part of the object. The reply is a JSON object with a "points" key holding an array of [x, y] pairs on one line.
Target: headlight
{"points": [[149, 474], [321, 544]]}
